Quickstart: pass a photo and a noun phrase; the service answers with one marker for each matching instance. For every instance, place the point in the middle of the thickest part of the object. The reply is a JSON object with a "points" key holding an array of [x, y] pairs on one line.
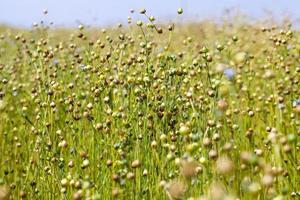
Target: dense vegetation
{"points": [[194, 111]]}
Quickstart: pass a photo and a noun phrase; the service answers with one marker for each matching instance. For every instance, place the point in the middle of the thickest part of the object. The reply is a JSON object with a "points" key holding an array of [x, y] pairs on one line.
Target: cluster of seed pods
{"points": [[150, 111]]}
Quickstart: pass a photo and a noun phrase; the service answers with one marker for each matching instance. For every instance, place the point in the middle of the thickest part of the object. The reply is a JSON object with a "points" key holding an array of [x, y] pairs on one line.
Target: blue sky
{"points": [[106, 12]]}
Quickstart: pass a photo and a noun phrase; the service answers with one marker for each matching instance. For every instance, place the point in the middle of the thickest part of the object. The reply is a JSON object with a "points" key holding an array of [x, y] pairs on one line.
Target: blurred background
{"points": [[109, 12]]}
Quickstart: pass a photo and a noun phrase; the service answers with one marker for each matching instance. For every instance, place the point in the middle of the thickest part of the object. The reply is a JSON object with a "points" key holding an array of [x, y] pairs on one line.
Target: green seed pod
{"points": [[179, 11]]}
